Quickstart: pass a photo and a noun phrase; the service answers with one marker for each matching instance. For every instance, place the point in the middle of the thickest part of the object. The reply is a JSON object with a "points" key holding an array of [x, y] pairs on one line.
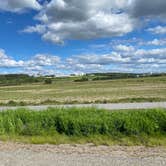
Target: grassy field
{"points": [[67, 91], [80, 125]]}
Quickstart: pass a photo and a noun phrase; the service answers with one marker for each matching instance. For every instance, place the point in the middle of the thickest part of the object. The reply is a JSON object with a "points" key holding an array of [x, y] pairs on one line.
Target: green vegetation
{"points": [[82, 125], [48, 81], [66, 91], [82, 79], [113, 76], [17, 79]]}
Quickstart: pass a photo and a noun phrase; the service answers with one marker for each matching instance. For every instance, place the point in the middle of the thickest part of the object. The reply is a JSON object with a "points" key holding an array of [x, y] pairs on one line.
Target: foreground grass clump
{"points": [[57, 125]]}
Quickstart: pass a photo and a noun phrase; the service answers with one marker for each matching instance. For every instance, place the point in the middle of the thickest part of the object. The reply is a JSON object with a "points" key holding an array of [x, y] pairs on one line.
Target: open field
{"points": [[85, 125], [66, 91]]}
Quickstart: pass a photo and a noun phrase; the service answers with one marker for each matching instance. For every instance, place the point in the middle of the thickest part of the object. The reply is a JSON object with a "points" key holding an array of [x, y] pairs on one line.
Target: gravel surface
{"points": [[14, 154], [115, 106]]}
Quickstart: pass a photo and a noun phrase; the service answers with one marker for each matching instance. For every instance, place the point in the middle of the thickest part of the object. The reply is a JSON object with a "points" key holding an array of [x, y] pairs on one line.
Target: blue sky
{"points": [[61, 37]]}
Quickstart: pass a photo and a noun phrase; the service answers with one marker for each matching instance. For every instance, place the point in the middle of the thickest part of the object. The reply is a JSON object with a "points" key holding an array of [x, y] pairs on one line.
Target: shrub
{"points": [[12, 103], [82, 79], [48, 81]]}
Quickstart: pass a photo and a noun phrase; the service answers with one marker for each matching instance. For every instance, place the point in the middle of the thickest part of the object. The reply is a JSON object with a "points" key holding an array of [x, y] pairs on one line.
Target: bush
{"points": [[48, 81], [12, 103], [82, 79]]}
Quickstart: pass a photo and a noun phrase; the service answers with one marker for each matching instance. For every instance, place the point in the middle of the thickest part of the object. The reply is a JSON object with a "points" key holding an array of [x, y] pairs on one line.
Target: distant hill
{"points": [[108, 76], [17, 79]]}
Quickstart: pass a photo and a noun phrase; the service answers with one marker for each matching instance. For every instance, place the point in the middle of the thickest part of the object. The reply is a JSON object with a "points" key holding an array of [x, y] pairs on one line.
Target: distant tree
{"points": [[17, 79], [48, 81], [82, 79]]}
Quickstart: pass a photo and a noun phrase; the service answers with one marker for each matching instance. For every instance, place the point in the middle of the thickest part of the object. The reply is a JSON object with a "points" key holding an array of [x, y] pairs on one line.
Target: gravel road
{"points": [[115, 106], [14, 154]]}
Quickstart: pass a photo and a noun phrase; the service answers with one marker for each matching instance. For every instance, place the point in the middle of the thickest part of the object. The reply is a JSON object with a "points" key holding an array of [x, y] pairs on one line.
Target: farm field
{"points": [[66, 91]]}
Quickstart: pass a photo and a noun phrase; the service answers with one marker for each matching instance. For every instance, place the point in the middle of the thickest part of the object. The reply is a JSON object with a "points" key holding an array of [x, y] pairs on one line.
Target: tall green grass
{"points": [[83, 122]]}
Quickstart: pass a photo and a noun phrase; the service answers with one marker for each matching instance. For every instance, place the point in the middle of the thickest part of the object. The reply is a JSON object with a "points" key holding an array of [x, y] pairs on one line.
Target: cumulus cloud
{"points": [[38, 64], [43, 60], [35, 29], [7, 62], [154, 42], [61, 20], [89, 19], [143, 8], [123, 58], [124, 48], [158, 30], [37, 60], [19, 5], [104, 59]]}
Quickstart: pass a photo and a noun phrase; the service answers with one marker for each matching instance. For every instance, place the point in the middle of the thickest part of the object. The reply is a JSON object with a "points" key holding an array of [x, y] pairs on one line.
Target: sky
{"points": [[62, 37]]}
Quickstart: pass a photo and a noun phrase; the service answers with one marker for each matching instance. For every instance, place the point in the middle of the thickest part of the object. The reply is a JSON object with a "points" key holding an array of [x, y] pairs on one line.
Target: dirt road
{"points": [[14, 154], [115, 106]]}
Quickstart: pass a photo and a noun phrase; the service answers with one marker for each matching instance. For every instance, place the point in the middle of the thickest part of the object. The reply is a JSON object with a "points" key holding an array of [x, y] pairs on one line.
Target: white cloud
{"points": [[158, 30], [38, 64], [19, 5], [37, 28], [87, 19], [6, 61], [90, 19], [157, 52], [43, 60], [98, 26], [124, 48], [155, 42], [124, 58], [61, 20], [104, 59]]}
